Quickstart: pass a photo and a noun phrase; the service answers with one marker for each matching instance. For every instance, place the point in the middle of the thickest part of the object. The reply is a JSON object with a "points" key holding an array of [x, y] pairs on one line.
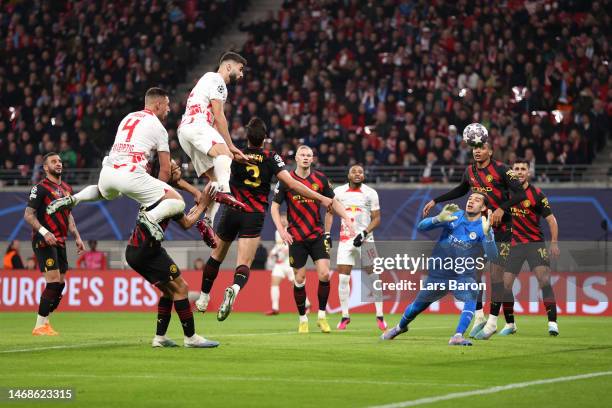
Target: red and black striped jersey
{"points": [[303, 214], [140, 236], [526, 217], [497, 182], [41, 196], [250, 183]]}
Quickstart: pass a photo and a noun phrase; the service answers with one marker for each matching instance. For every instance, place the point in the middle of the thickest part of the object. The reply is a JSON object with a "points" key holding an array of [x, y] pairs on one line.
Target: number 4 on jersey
{"points": [[130, 126]]}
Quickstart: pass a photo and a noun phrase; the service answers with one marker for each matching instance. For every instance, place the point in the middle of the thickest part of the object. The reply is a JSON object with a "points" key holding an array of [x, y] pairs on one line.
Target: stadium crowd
{"points": [[70, 70], [395, 82], [390, 82]]}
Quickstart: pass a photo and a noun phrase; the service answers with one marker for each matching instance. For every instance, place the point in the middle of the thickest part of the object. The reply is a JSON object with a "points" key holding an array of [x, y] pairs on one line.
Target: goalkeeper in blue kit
{"points": [[465, 236]]}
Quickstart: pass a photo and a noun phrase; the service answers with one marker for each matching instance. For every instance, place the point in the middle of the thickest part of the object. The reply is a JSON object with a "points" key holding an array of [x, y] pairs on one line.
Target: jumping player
{"points": [[361, 203], [49, 239], [149, 259], [124, 170], [204, 134], [503, 190], [305, 234], [278, 263], [250, 183], [466, 234], [528, 246]]}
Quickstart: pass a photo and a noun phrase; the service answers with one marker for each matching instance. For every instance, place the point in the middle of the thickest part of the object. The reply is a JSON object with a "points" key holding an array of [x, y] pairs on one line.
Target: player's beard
{"points": [[55, 173], [233, 78]]}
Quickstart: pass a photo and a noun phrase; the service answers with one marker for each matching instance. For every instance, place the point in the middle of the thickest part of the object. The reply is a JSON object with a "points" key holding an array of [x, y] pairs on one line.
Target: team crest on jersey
{"points": [[49, 262], [315, 186], [173, 268], [472, 235], [489, 178], [526, 203]]}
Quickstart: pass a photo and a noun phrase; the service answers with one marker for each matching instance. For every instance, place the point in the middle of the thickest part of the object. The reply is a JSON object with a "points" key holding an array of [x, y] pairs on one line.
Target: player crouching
{"points": [[146, 256], [464, 235]]}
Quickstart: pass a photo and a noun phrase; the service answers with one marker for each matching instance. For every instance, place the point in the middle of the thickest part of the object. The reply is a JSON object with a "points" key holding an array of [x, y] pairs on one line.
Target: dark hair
{"points": [[155, 93], [46, 156], [232, 56], [256, 131], [521, 160]]}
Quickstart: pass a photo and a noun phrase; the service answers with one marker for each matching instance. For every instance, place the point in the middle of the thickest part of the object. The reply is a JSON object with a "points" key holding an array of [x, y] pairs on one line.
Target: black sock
{"points": [[299, 294], [479, 300], [186, 315], [164, 313], [209, 274], [48, 298], [59, 298], [497, 297], [509, 305], [241, 276], [323, 295], [548, 296]]}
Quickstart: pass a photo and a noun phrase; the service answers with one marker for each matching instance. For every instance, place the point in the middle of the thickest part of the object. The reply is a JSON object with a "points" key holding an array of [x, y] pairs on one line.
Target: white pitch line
{"points": [[67, 346], [491, 390], [245, 378]]}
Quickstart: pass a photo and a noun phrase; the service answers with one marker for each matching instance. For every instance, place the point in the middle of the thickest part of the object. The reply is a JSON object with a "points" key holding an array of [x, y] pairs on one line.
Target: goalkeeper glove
{"points": [[359, 238], [327, 239], [486, 224], [446, 215]]}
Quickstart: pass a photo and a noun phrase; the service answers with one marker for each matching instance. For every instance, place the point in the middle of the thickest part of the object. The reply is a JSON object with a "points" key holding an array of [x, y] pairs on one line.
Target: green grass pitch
{"points": [[262, 361]]}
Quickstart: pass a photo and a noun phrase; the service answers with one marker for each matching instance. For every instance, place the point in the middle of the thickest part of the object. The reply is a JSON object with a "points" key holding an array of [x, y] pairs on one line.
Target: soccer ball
{"points": [[475, 134]]}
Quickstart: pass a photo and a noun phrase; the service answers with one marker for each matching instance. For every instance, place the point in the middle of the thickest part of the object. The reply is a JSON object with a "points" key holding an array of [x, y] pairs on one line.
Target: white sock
{"points": [[479, 314], [211, 211], [223, 169], [89, 193], [40, 321], [47, 318], [378, 295], [492, 322], [303, 318], [321, 314], [166, 209], [204, 296], [344, 291], [236, 288], [275, 295]]}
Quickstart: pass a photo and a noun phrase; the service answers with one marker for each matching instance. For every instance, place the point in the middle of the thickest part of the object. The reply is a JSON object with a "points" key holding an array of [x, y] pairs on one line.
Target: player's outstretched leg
{"points": [[209, 274], [241, 276], [89, 193], [469, 307], [164, 313], [411, 312]]}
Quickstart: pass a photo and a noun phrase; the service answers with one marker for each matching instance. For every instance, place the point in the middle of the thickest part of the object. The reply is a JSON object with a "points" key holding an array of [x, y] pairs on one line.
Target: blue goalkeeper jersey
{"points": [[461, 249]]}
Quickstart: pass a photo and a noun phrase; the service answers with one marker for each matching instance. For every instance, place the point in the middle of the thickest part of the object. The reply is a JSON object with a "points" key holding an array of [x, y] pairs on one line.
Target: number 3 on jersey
{"points": [[253, 180], [130, 126]]}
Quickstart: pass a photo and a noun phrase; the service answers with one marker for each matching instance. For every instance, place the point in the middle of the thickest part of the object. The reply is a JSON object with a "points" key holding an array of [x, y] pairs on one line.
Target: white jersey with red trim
{"points": [[359, 204], [199, 103], [139, 135]]}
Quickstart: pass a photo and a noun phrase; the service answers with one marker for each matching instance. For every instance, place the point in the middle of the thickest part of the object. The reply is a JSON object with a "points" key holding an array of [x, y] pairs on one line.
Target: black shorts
{"points": [[152, 263], [239, 224], [299, 251], [50, 257], [535, 253], [503, 240]]}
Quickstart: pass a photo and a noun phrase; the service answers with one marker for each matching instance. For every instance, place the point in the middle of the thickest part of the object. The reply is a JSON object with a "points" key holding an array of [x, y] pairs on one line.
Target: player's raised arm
{"points": [[440, 220], [188, 220], [457, 192], [488, 243]]}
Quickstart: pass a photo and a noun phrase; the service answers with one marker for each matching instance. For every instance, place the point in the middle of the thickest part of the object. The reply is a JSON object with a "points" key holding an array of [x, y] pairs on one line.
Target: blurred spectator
{"points": [[12, 259], [198, 264], [92, 259], [31, 263]]}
